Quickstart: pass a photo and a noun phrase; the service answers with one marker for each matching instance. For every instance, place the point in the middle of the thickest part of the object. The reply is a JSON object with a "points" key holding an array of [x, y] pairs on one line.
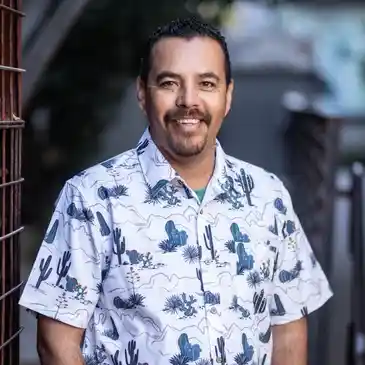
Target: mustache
{"points": [[176, 114]]}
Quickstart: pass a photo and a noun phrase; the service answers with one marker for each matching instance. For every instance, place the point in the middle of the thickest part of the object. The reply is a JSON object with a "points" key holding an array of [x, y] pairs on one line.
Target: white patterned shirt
{"points": [[157, 277]]}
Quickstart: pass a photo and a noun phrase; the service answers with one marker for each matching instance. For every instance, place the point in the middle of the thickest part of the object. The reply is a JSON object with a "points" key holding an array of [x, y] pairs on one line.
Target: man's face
{"points": [[186, 96]]}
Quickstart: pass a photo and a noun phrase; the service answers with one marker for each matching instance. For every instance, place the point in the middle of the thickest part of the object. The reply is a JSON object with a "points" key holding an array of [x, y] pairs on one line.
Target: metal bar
{"points": [[12, 124], [10, 68], [13, 337], [11, 127], [15, 121], [18, 122], [11, 291], [19, 181], [2, 60], [13, 233], [353, 357], [11, 10]]}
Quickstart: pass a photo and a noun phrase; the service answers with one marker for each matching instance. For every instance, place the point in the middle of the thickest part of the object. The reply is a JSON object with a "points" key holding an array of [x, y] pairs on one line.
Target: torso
{"points": [[193, 278]]}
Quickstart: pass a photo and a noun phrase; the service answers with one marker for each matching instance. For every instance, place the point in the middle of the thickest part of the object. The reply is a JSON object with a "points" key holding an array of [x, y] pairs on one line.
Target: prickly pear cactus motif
{"points": [[245, 261], [175, 239]]}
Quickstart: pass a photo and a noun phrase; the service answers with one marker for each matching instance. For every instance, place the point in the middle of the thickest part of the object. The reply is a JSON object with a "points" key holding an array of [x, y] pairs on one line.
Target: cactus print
{"points": [[157, 276]]}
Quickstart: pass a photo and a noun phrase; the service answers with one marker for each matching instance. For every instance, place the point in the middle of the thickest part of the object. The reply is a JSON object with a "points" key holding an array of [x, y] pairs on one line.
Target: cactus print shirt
{"points": [[157, 277]]}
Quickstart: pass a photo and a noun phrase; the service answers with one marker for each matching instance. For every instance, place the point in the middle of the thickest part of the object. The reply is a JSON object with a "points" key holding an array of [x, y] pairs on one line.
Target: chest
{"points": [[186, 248]]}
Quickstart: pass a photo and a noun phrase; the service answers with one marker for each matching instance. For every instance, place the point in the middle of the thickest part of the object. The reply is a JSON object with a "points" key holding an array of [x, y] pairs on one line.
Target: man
{"points": [[173, 252]]}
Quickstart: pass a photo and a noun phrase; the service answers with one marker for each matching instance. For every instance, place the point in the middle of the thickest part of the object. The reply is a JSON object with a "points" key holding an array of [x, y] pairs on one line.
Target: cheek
{"points": [[160, 104], [216, 105]]}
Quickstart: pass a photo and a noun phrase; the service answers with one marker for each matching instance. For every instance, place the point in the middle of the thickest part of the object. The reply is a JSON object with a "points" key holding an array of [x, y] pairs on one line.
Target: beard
{"points": [[187, 139], [186, 146]]}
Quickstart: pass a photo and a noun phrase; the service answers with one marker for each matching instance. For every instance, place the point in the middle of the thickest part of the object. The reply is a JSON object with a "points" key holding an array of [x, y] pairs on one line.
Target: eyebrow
{"points": [[173, 75], [209, 75], [167, 74]]}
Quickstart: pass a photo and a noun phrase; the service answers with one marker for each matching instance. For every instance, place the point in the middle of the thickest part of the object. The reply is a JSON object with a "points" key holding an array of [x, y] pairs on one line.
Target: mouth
{"points": [[188, 125], [188, 122]]}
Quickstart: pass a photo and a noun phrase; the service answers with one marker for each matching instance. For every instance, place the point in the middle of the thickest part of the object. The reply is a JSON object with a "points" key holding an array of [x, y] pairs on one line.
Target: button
{"points": [[201, 211]]}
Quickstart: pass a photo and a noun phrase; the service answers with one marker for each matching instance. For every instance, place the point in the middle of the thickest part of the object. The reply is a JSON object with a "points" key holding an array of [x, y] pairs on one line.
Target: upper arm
{"points": [[299, 283], [290, 343], [51, 332], [66, 274]]}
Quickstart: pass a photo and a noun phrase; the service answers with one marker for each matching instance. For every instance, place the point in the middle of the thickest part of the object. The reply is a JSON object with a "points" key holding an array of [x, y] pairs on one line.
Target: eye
{"points": [[208, 85], [168, 84]]}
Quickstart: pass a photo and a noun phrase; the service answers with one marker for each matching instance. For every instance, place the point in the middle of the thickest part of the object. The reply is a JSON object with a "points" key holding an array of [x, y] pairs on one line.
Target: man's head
{"points": [[185, 86]]}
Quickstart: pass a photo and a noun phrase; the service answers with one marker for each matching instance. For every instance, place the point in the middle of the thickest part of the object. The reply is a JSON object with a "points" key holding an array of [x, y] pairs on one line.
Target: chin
{"points": [[188, 146], [189, 149]]}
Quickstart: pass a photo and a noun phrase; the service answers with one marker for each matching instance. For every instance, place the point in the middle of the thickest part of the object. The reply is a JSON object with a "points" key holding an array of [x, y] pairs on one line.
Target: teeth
{"points": [[188, 121]]}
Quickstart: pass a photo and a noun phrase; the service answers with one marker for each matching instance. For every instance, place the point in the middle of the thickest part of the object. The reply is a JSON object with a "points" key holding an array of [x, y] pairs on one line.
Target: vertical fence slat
{"points": [[356, 328], [10, 178], [312, 150]]}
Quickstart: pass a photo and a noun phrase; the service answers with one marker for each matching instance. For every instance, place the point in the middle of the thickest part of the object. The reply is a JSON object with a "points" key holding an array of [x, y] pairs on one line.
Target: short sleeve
{"points": [[299, 283], [63, 283]]}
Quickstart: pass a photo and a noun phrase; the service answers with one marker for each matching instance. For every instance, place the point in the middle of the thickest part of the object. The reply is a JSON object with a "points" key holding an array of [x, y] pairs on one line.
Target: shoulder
{"points": [[109, 176], [264, 182]]}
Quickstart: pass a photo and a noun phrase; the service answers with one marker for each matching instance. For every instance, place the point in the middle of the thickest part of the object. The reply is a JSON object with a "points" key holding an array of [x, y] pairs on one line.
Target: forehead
{"points": [[187, 56]]}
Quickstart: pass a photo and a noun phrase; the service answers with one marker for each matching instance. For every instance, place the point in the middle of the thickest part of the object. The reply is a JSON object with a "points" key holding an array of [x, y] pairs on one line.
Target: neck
{"points": [[196, 171]]}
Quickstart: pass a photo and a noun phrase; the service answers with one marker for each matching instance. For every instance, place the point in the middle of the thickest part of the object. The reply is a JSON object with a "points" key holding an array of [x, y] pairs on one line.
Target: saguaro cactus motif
{"points": [[247, 185], [133, 356], [208, 239], [45, 271], [115, 358], [220, 351], [62, 267], [118, 245], [200, 278]]}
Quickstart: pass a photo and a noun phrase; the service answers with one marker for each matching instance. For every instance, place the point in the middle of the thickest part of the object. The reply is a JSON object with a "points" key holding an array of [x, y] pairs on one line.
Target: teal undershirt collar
{"points": [[200, 193]]}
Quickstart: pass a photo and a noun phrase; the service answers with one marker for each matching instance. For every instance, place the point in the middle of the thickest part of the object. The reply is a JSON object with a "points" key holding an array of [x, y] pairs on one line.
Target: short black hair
{"points": [[184, 28]]}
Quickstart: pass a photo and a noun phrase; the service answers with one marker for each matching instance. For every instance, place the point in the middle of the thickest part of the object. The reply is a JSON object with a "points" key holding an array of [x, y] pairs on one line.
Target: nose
{"points": [[188, 97]]}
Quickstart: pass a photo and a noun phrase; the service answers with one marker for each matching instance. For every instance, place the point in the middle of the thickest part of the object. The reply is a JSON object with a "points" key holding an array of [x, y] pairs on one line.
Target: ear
{"points": [[229, 96], [141, 94]]}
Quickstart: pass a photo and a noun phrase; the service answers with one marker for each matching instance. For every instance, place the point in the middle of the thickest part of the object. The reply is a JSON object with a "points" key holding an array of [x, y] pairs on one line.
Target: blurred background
{"points": [[299, 69]]}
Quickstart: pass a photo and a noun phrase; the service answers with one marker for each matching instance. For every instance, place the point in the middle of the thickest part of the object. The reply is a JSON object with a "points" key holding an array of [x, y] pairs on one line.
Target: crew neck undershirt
{"points": [[200, 193]]}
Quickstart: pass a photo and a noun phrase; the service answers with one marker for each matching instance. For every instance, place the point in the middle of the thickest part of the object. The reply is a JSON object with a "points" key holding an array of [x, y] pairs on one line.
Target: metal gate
{"points": [[312, 150], [11, 126], [312, 158]]}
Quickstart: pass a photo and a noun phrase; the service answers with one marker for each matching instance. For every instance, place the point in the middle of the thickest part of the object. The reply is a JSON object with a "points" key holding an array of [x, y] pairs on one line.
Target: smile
{"points": [[188, 121]]}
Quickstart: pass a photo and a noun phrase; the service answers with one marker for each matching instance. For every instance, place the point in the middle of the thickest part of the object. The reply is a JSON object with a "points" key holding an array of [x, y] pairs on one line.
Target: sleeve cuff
{"points": [[300, 313], [77, 318]]}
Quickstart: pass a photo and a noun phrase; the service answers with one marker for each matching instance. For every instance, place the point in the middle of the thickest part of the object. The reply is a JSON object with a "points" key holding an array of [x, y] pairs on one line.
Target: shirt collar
{"points": [[158, 172]]}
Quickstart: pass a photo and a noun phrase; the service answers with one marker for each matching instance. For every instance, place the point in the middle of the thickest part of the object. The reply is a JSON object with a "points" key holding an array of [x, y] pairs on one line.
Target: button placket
{"points": [[210, 267], [200, 274]]}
